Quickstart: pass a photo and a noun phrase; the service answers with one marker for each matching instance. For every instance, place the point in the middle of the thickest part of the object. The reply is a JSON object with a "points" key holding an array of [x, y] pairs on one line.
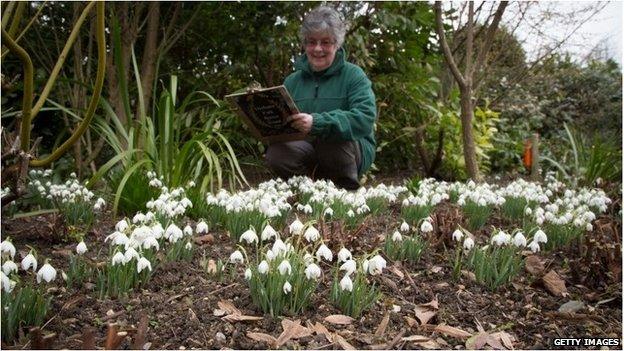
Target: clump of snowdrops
{"points": [[24, 303], [406, 243], [477, 203], [417, 207], [521, 195]]}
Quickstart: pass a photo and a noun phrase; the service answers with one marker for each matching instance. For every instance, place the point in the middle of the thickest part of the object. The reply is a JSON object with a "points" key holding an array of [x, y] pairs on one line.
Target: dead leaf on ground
{"points": [[435, 269], [554, 284], [381, 329], [211, 267], [506, 338], [292, 330], [240, 318], [433, 303], [343, 343], [394, 269], [411, 321], [534, 265], [338, 319], [415, 338], [471, 276], [426, 311], [261, 337], [452, 331], [497, 341], [204, 239], [320, 329], [228, 307], [392, 285]]}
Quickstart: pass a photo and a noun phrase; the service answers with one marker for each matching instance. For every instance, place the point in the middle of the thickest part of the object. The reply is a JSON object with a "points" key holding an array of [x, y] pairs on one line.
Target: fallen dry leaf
{"points": [[211, 267], [433, 303], [381, 329], [292, 330], [204, 239], [435, 269], [262, 338], [394, 269], [415, 338], [343, 343], [471, 276], [228, 307], [452, 331], [534, 265], [240, 318], [430, 345], [554, 284], [338, 319], [392, 285], [505, 338], [411, 321], [424, 314], [320, 329]]}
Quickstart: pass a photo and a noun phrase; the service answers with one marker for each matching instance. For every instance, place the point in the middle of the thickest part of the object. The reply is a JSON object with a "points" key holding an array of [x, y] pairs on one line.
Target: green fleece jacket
{"points": [[341, 102]]}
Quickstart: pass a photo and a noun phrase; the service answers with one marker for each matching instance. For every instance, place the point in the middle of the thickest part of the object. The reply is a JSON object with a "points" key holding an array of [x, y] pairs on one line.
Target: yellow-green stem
{"points": [[17, 18], [61, 60], [32, 20], [95, 98], [28, 89], [7, 13]]}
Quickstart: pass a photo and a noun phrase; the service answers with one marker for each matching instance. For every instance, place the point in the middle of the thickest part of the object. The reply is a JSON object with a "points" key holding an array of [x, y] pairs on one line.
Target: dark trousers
{"points": [[336, 161]]}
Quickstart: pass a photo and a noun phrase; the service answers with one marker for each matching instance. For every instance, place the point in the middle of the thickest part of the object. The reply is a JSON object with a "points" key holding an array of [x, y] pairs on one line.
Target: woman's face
{"points": [[321, 49]]}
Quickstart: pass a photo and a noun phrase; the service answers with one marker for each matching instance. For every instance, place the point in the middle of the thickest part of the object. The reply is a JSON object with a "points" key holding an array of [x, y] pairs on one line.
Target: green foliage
{"points": [[476, 214], [136, 191], [561, 235], [118, 279], [24, 306], [78, 272], [410, 247], [359, 299], [495, 266]]}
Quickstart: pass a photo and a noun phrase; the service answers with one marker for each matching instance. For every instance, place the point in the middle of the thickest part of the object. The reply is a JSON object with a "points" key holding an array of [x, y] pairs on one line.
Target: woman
{"points": [[337, 104]]}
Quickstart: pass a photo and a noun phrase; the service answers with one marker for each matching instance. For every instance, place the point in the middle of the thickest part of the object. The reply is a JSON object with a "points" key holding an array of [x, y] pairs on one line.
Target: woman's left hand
{"points": [[302, 122]]}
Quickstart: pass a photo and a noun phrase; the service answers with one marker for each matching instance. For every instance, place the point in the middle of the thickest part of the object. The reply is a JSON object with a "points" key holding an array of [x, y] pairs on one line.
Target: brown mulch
{"points": [[181, 297]]}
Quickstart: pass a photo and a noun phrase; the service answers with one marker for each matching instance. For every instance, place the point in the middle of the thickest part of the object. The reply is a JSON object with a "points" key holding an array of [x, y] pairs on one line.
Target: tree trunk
{"points": [[467, 115], [150, 51]]}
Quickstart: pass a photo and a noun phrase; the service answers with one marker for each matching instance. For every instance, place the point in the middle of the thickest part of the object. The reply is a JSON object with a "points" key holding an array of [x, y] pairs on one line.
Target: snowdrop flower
{"points": [[404, 227], [188, 230], [468, 244], [296, 227], [248, 274], [7, 284], [249, 236], [350, 213], [139, 217], [500, 239], [311, 234], [313, 271], [287, 288], [263, 267], [202, 227], [349, 267], [540, 236], [268, 232], [346, 283], [120, 239], [270, 255], [528, 211], [589, 227], [426, 226], [188, 246], [157, 230], [324, 252], [236, 257], [81, 248], [173, 233], [47, 273], [118, 258], [344, 255], [376, 265], [284, 267], [308, 259], [328, 212], [396, 236], [29, 261], [130, 254], [150, 242], [7, 248], [519, 240], [9, 267], [457, 235], [534, 246], [143, 263], [99, 204], [279, 247]]}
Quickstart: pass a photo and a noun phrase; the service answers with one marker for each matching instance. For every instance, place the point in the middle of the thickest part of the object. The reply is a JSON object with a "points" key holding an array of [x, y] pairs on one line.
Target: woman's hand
{"points": [[301, 122]]}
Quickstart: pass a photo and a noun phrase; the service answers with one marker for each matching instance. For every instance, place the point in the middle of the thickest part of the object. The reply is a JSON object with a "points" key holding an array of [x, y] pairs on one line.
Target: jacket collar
{"points": [[339, 61]]}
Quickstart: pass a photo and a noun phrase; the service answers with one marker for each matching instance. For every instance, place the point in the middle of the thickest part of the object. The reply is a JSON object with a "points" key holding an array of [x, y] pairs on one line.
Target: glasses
{"points": [[325, 43]]}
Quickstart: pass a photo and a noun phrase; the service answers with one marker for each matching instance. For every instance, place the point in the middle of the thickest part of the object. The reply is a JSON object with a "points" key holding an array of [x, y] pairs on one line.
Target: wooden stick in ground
{"points": [[535, 168], [88, 339], [139, 339]]}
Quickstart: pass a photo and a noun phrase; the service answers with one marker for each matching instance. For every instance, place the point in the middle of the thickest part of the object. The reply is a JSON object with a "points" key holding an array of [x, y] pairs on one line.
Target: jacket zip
{"points": [[316, 87]]}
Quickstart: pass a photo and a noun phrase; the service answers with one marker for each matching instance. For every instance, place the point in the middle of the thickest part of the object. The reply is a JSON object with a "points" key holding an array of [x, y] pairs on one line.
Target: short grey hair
{"points": [[323, 19]]}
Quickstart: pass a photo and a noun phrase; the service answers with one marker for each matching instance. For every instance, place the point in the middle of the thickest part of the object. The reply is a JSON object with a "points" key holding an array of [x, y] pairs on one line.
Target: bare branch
{"points": [[447, 51], [489, 38]]}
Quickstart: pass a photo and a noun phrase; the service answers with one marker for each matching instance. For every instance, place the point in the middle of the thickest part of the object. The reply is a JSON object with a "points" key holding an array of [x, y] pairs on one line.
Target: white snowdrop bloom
{"points": [[284, 267], [296, 227], [328, 212], [528, 211], [365, 265], [519, 240], [118, 258], [287, 288], [268, 233], [7, 248], [325, 253], [248, 274], [311, 234], [426, 227], [263, 267], [346, 283], [120, 239], [308, 259], [173, 233], [376, 265], [534, 246], [249, 236], [270, 255], [468, 244], [47, 273], [143, 263], [81, 248], [201, 227], [396, 236], [350, 213], [312, 271], [188, 230], [150, 242], [482, 202], [404, 227], [458, 235], [157, 231], [29, 261], [150, 204], [130, 254], [236, 257], [344, 255], [99, 204], [138, 218], [540, 236], [188, 246], [279, 247], [121, 226], [349, 267], [7, 284], [9, 267], [500, 239], [589, 227]]}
